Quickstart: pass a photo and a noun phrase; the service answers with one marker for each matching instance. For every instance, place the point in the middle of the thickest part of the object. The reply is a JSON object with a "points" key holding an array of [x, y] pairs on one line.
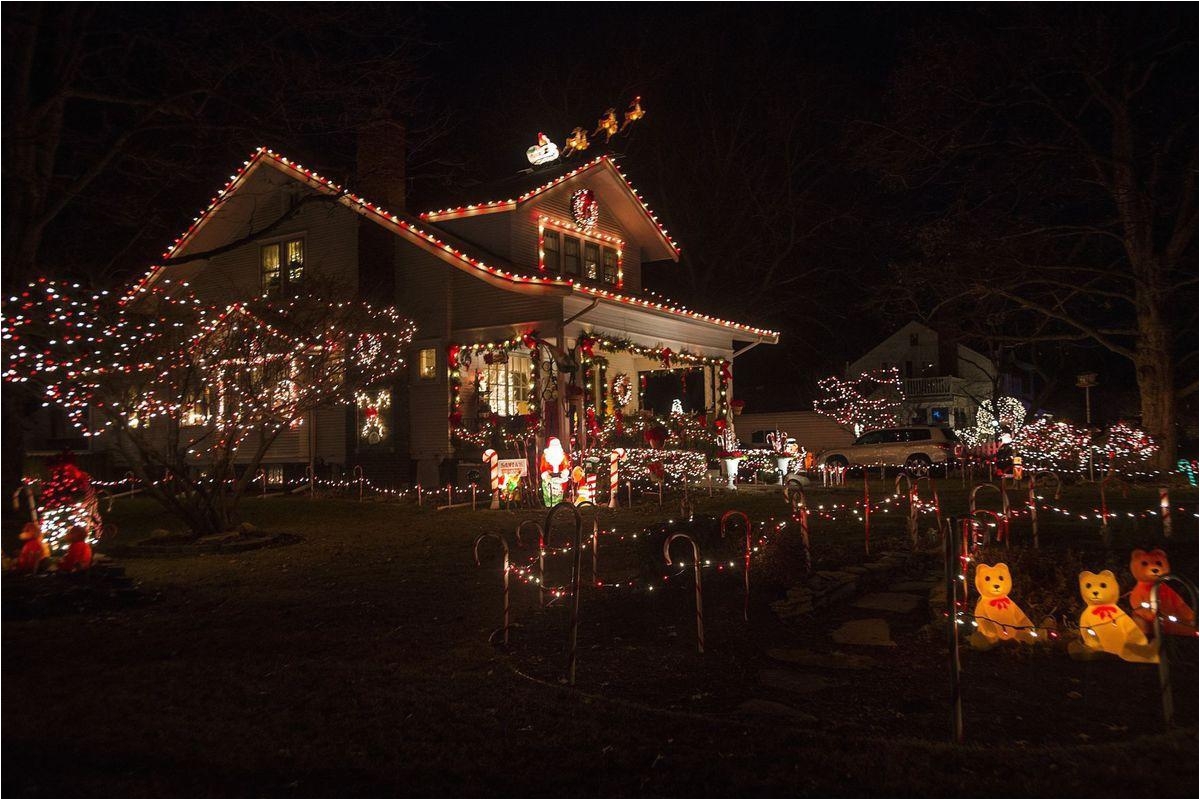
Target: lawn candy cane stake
{"points": [[937, 504], [1164, 505], [614, 460], [541, 546], [492, 459], [911, 521], [749, 546], [504, 547], [800, 514], [866, 514], [573, 633], [358, 476], [699, 588], [1005, 513]]}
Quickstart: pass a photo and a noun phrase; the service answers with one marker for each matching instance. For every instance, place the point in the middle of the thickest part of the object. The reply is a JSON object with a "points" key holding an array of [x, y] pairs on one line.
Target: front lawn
{"points": [[357, 662]]}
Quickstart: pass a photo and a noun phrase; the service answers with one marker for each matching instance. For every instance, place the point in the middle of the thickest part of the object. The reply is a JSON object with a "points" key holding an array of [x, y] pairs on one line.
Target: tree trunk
{"points": [[1156, 385]]}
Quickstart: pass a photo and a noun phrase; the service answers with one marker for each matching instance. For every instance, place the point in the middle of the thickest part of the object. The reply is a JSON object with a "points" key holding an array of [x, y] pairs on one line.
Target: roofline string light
{"points": [[433, 243]]}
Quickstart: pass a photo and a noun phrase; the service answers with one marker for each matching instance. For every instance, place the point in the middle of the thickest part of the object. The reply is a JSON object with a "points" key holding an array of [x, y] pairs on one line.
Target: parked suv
{"points": [[916, 448]]}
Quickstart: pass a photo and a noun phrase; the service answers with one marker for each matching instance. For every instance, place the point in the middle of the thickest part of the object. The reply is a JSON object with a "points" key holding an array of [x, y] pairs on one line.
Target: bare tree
{"points": [[1047, 164], [192, 395]]}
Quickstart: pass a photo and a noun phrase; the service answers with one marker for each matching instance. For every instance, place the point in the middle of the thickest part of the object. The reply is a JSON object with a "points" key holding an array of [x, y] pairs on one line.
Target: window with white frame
{"points": [[507, 384], [282, 265]]}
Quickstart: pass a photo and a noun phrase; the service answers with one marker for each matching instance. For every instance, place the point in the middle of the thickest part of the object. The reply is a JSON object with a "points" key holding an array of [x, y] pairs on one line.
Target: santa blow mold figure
{"points": [[555, 470]]}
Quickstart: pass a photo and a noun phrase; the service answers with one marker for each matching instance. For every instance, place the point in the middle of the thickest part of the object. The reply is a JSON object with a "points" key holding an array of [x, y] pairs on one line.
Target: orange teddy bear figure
{"points": [[1178, 618], [79, 552], [34, 552]]}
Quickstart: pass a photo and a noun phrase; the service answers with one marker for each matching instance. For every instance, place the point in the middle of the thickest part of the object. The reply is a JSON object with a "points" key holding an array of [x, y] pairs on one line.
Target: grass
{"points": [[356, 662]]}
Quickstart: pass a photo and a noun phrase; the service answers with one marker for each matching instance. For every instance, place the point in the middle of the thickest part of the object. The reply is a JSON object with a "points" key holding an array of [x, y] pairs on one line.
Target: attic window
{"points": [[282, 265], [591, 261]]}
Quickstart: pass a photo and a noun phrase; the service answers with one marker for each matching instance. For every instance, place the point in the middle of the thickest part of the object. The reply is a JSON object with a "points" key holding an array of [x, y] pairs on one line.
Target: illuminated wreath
{"points": [[622, 390], [585, 210]]}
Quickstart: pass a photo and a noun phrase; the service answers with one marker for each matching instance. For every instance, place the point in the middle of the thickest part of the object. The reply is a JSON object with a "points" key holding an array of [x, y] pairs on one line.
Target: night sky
{"points": [[758, 117]]}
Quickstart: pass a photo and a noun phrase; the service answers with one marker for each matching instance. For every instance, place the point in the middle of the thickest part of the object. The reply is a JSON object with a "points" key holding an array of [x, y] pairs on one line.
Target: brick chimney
{"points": [[381, 174], [381, 180]]}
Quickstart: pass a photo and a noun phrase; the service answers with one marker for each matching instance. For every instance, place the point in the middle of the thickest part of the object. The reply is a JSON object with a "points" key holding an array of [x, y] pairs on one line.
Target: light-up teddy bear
{"points": [[1178, 619], [1104, 627], [555, 470], [999, 619]]}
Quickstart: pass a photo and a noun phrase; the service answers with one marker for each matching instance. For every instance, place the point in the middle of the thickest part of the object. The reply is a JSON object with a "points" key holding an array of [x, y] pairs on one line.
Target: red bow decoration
{"points": [[726, 371], [587, 346], [1001, 603], [592, 424], [657, 471], [529, 340], [666, 357], [452, 352], [720, 423], [1106, 612], [456, 418]]}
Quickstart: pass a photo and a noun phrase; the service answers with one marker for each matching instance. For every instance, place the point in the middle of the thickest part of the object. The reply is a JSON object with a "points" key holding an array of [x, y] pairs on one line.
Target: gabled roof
{"points": [[529, 186], [462, 255]]}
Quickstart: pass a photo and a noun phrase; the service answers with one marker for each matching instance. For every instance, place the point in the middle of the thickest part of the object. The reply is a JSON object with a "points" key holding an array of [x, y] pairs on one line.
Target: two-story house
{"points": [[944, 381], [531, 319]]}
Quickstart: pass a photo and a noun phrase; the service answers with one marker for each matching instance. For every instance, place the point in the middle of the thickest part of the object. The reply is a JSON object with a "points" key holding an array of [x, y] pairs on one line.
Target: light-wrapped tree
{"points": [[193, 395], [872, 400]]}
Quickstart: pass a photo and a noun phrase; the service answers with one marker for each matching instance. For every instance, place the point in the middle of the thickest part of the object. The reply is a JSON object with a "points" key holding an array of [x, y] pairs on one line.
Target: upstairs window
{"points": [[591, 261], [551, 251], [427, 364], [282, 265], [570, 255], [610, 266]]}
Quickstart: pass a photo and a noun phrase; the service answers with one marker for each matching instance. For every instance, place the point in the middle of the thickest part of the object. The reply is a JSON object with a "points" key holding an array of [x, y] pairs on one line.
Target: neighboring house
{"points": [[529, 307], [812, 431], [944, 382]]}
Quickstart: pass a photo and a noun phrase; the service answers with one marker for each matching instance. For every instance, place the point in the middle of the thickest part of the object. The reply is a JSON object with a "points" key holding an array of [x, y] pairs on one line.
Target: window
{"points": [[427, 364], [507, 385], [913, 339], [939, 415], [591, 261], [282, 265], [570, 255], [917, 434], [610, 265], [551, 251], [870, 438]]}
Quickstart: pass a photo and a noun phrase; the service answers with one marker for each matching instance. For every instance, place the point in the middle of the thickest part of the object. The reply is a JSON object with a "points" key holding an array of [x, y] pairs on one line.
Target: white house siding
{"points": [[331, 434], [492, 232], [812, 431], [557, 203], [329, 231]]}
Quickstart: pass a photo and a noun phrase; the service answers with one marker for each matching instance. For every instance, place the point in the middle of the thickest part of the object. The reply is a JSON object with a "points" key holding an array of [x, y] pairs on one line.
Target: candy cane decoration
{"points": [[312, 480], [866, 513], [27, 492], [358, 476], [1164, 506], [614, 459], [504, 547], [1033, 508], [937, 504], [911, 522], [541, 546], [573, 633], [1005, 513], [800, 514], [492, 459], [749, 547], [699, 587]]}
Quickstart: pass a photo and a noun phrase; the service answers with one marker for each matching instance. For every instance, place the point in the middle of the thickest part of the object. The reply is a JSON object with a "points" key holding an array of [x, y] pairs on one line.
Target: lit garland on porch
{"points": [[458, 355]]}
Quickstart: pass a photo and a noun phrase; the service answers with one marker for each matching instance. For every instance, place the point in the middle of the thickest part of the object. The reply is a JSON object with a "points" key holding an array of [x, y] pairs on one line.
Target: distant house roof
{"points": [[462, 255]]}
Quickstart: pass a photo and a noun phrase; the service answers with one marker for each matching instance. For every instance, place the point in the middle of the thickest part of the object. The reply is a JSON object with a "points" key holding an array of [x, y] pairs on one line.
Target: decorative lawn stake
{"points": [[1164, 505], [1042, 477], [1033, 509], [799, 505], [312, 481], [749, 547], [911, 522], [573, 633], [1164, 670], [418, 495], [997, 520], [504, 547], [1005, 513], [1104, 515], [541, 546], [614, 459], [953, 575], [937, 504], [358, 476], [1104, 627], [699, 587], [492, 459], [866, 514]]}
